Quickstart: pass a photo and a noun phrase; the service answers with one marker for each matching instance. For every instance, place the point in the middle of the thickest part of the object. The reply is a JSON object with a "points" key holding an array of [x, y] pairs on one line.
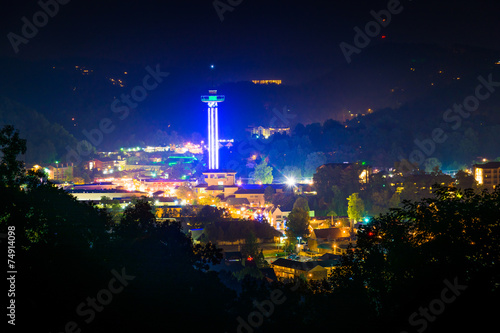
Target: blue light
{"points": [[212, 101]]}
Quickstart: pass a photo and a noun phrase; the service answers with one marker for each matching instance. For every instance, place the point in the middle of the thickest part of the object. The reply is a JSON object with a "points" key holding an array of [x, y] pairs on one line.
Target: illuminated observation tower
{"points": [[213, 128]]}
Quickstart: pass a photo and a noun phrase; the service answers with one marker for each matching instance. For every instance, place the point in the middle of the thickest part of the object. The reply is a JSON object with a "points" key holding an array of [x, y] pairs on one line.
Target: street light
{"points": [[290, 181]]}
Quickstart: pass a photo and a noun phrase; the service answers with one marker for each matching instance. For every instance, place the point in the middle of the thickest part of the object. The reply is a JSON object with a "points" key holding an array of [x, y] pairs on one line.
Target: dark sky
{"points": [[291, 40]]}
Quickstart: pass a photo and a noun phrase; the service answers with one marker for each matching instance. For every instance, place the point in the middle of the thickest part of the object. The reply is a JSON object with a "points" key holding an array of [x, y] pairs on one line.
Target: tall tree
{"points": [[263, 173], [298, 223], [301, 202], [356, 207]]}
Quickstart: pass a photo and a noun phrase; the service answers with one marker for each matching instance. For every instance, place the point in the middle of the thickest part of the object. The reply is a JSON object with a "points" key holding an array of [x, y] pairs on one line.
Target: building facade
{"points": [[487, 174], [286, 269], [60, 173], [266, 132]]}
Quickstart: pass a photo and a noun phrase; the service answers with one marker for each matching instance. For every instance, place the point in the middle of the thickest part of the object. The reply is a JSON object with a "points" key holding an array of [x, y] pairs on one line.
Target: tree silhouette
{"points": [[137, 220], [298, 223], [402, 257], [11, 170]]}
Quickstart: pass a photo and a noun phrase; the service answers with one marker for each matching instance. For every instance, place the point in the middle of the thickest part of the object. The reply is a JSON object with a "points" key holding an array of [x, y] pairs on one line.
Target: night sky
{"points": [[295, 41], [291, 40]]}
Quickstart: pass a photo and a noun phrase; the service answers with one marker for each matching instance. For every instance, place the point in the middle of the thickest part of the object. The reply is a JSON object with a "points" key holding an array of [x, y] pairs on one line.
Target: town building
{"points": [[218, 183], [96, 186], [330, 240], [286, 269], [96, 195], [331, 234], [254, 196], [266, 132], [152, 149], [276, 216], [106, 164], [60, 172], [152, 185], [487, 174]]}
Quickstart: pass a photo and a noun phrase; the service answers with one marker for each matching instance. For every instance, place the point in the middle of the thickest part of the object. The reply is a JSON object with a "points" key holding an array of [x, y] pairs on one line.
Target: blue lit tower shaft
{"points": [[213, 128]]}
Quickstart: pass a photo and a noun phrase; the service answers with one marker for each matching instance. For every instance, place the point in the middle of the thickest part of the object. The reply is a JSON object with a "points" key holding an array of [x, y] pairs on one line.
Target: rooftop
{"points": [[489, 165], [94, 184], [215, 188], [304, 265], [219, 171], [331, 233], [161, 180], [250, 191], [232, 201], [263, 186]]}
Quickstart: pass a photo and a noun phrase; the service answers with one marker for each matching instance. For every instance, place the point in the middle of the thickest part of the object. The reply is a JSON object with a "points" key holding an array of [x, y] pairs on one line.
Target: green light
{"points": [[363, 163], [212, 98]]}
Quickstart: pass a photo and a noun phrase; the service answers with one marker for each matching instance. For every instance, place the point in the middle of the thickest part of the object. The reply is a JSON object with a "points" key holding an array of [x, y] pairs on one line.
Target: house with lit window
{"points": [[330, 240], [158, 184], [218, 183], [222, 183], [220, 177], [487, 174], [60, 172], [286, 269], [254, 196], [266, 132], [106, 164], [331, 234], [254, 193], [276, 216]]}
